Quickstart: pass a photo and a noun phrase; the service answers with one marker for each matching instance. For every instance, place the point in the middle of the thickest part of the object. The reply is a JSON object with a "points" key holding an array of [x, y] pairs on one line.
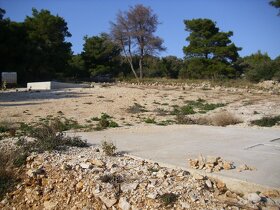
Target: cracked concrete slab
{"points": [[173, 145]]}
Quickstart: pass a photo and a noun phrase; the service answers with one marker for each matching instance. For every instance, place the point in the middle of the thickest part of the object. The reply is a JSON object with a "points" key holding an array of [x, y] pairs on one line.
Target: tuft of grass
{"points": [[267, 121], [168, 198], [104, 122], [150, 120], [187, 110], [109, 148], [136, 108], [113, 124], [224, 119]]}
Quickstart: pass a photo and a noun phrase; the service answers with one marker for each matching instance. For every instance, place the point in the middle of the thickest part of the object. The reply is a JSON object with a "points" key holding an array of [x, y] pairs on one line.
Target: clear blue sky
{"points": [[255, 23]]}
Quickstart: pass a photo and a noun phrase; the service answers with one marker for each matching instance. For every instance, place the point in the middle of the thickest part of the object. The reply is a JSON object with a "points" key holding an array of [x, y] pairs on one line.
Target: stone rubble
{"points": [[82, 178], [210, 164]]}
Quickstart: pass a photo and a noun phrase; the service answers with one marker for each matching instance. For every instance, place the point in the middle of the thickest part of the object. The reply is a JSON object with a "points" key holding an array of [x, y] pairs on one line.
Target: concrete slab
{"points": [[173, 145], [50, 85]]}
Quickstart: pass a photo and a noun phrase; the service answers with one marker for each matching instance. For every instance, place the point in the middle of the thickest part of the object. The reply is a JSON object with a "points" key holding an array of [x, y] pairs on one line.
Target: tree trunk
{"points": [[141, 67]]}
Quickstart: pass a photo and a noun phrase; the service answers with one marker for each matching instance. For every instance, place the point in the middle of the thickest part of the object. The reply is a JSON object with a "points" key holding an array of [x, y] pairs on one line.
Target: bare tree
{"points": [[134, 32]]}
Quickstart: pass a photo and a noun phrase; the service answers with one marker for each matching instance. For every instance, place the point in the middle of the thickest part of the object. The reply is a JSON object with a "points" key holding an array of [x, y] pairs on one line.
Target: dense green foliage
{"points": [[101, 55], [37, 50], [259, 67], [210, 53]]}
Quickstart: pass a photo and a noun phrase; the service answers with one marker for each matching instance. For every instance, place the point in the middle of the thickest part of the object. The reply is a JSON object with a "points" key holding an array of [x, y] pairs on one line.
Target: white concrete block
{"points": [[52, 85]]}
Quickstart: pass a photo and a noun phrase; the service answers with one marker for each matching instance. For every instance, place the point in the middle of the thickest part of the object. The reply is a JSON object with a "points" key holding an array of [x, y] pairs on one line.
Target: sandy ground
{"points": [[82, 104]]}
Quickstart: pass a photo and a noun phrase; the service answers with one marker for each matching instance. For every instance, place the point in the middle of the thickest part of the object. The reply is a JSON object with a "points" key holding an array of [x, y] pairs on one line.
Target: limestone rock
{"points": [[86, 165], [49, 205], [123, 204], [98, 163], [109, 202], [253, 197], [198, 176]]}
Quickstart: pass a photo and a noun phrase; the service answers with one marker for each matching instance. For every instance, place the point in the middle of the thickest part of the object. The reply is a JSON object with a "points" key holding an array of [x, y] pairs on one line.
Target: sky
{"points": [[255, 23]]}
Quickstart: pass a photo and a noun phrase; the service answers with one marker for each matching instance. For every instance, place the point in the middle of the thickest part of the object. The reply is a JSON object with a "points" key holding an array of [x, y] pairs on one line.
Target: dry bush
{"points": [[224, 118], [7, 177]]}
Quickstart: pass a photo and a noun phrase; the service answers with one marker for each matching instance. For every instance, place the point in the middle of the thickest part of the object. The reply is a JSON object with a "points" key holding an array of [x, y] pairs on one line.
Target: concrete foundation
{"points": [[50, 85]]}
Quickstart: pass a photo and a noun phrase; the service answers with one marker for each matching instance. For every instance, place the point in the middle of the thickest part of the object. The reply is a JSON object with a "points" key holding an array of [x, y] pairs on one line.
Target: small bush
{"points": [[7, 177], [150, 120], [224, 119], [113, 124], [186, 110], [267, 121], [168, 198], [108, 147], [103, 123]]}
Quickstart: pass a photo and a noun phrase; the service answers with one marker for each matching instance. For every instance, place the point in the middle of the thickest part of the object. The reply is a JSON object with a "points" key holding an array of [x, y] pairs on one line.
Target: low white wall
{"points": [[52, 85], [39, 85]]}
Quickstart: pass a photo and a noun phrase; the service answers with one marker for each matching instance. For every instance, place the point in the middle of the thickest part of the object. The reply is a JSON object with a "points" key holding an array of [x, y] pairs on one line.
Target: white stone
{"points": [[185, 205], [208, 183], [123, 204], [85, 165], [152, 195], [253, 197], [129, 187], [50, 205], [109, 202]]}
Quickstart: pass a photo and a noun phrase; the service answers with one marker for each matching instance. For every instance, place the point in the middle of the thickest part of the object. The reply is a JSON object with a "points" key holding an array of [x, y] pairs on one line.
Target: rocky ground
{"points": [[85, 178], [157, 100]]}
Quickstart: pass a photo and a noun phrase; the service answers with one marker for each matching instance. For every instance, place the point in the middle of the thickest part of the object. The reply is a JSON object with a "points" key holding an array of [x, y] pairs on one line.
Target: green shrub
{"points": [[113, 124], [168, 198], [150, 120], [187, 110], [267, 121], [108, 147]]}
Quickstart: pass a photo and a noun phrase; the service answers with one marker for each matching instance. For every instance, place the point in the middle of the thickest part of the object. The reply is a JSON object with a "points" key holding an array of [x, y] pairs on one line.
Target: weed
{"points": [[46, 137], [168, 198], [113, 124], [150, 120], [5, 126], [7, 177], [136, 108], [267, 121], [108, 147], [186, 110], [95, 119], [20, 158], [105, 123]]}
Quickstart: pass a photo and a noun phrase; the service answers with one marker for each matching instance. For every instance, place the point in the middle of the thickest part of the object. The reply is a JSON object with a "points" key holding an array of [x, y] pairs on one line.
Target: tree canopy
{"points": [[276, 4], [207, 42], [100, 54], [134, 32]]}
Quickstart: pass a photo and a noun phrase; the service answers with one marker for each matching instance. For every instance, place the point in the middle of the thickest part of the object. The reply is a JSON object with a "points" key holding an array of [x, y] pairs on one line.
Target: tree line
{"points": [[37, 50]]}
